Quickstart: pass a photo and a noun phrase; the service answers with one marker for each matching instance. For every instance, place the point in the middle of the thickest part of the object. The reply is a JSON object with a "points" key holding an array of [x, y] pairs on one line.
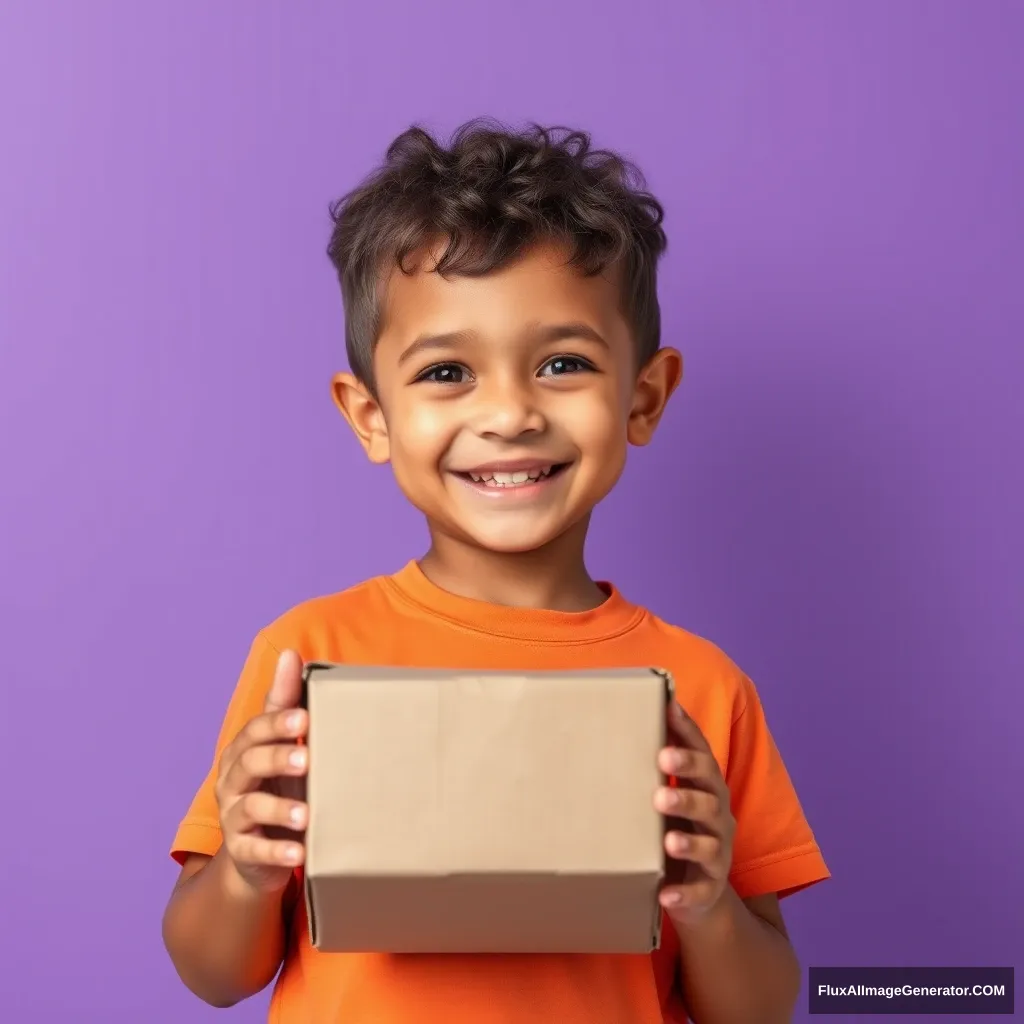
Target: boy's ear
{"points": [[363, 414], [654, 386]]}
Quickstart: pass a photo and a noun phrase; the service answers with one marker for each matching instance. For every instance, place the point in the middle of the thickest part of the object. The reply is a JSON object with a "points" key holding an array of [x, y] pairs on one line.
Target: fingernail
{"points": [[679, 843], [294, 721], [296, 814], [297, 758], [671, 899], [292, 854]]}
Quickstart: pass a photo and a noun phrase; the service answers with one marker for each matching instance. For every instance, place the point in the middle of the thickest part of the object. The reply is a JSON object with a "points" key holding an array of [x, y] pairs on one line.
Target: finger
{"points": [[282, 725], [252, 849], [703, 850], [286, 689], [685, 729], [260, 810], [694, 805], [692, 765], [258, 763], [275, 725], [692, 894]]}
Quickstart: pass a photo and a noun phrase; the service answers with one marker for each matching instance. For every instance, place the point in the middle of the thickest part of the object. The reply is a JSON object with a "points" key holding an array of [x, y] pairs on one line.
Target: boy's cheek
{"points": [[420, 442], [424, 423]]}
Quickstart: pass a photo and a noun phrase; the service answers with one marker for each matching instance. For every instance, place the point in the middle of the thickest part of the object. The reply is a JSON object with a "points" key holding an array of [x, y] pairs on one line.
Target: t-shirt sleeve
{"points": [[199, 831], [774, 848]]}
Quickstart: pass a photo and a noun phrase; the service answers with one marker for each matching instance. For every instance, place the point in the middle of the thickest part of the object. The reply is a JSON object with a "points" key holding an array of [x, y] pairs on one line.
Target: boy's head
{"points": [[502, 327]]}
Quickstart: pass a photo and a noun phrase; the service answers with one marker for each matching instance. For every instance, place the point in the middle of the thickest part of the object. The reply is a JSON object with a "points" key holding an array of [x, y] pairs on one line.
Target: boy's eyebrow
{"points": [[426, 342], [564, 332]]}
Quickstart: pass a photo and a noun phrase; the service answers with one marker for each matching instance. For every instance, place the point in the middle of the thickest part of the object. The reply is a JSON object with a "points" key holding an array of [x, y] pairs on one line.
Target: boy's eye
{"points": [[445, 373], [561, 365]]}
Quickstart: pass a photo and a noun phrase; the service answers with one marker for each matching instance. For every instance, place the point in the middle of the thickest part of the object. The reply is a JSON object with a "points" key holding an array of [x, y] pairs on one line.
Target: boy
{"points": [[502, 328]]}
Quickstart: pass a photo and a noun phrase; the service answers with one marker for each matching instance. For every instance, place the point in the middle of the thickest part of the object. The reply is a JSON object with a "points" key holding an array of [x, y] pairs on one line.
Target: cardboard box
{"points": [[484, 812]]}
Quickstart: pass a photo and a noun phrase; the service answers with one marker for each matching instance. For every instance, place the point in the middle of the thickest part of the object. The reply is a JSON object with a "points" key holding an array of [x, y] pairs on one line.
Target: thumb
{"points": [[286, 689]]}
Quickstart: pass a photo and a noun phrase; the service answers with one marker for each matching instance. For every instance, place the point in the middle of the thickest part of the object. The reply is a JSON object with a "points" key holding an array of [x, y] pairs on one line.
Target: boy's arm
{"points": [[225, 939], [225, 925], [737, 965]]}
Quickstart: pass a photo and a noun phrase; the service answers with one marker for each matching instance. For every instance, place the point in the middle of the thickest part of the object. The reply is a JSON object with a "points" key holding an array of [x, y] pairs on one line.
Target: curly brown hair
{"points": [[490, 194]]}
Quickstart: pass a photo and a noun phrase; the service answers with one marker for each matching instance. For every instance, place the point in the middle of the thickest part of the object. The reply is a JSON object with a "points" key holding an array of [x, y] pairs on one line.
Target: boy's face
{"points": [[505, 403]]}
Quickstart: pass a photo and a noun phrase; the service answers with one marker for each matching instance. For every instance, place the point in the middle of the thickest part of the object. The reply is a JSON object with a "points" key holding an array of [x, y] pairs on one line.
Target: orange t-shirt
{"points": [[404, 619]]}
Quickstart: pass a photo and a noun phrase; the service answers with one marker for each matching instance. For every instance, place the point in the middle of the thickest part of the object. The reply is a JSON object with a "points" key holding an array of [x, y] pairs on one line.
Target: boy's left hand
{"points": [[702, 802]]}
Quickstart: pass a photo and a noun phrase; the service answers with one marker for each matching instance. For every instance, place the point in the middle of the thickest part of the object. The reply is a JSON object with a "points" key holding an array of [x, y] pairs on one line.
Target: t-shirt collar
{"points": [[611, 618]]}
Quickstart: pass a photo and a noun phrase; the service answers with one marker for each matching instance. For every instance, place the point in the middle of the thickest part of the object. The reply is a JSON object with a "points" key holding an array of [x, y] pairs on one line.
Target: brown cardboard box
{"points": [[484, 812]]}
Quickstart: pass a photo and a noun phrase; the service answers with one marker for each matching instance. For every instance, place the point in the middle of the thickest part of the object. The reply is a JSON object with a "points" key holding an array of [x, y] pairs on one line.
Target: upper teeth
{"points": [[511, 479]]}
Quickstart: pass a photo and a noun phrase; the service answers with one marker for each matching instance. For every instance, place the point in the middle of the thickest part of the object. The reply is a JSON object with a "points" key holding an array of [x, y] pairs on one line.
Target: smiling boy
{"points": [[503, 334]]}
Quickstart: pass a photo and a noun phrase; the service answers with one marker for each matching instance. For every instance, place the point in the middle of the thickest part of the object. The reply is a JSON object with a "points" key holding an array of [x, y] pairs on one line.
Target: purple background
{"points": [[833, 499]]}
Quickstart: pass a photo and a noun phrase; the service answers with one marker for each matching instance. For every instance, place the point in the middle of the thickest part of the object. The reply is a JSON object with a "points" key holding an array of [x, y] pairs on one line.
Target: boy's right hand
{"points": [[261, 786]]}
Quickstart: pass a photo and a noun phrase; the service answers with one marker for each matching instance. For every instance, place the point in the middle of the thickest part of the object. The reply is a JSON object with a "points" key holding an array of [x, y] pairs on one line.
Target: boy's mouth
{"points": [[512, 478]]}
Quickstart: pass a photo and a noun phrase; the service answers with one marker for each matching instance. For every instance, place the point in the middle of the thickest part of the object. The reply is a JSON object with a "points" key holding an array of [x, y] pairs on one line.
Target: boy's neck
{"points": [[554, 577]]}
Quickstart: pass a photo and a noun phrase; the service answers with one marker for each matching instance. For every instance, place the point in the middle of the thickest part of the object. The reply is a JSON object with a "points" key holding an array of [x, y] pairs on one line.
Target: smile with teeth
{"points": [[520, 478]]}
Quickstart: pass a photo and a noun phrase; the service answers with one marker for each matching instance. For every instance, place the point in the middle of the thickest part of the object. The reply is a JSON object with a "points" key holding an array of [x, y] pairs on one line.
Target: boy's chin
{"points": [[509, 540], [510, 546]]}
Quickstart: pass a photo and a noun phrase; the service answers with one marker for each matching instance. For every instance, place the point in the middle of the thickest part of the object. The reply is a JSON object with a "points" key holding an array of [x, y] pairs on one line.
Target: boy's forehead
{"points": [[539, 288]]}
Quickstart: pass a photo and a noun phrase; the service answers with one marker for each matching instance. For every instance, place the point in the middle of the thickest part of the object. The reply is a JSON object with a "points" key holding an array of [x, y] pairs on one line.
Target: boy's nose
{"points": [[508, 409]]}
